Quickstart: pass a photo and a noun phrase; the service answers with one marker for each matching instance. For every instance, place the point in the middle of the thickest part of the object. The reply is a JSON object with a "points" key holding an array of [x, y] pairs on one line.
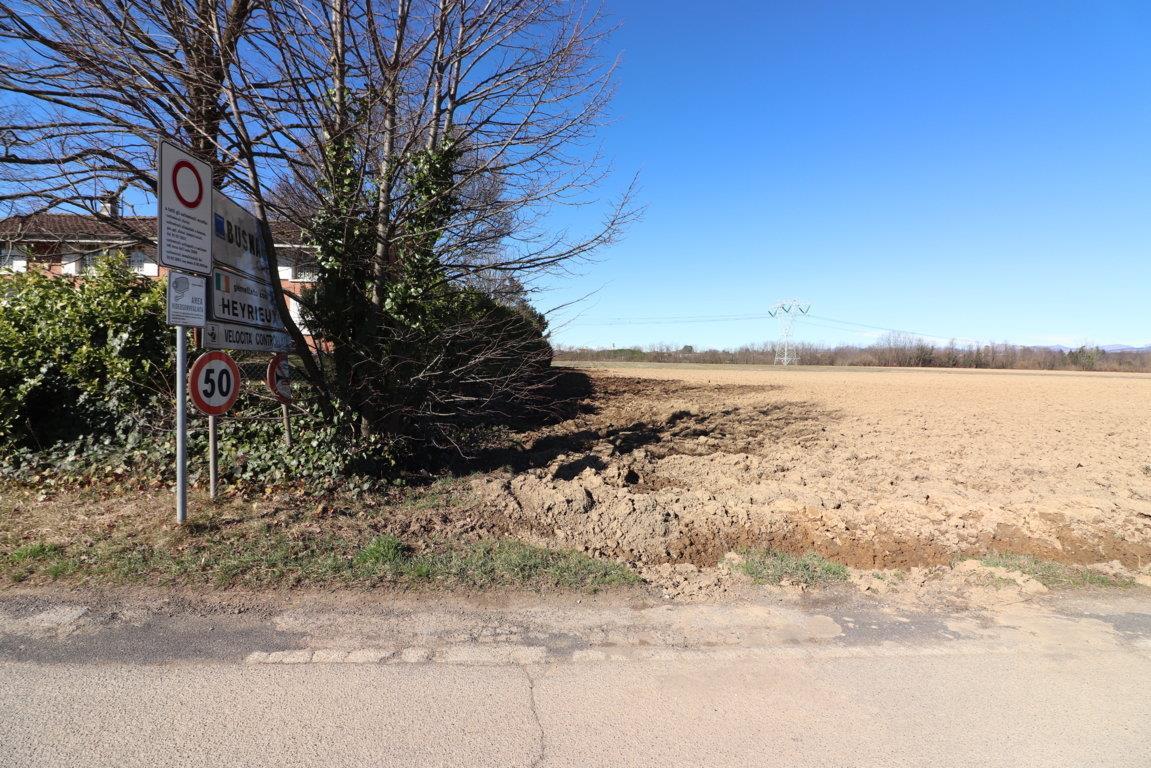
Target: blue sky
{"points": [[978, 170]]}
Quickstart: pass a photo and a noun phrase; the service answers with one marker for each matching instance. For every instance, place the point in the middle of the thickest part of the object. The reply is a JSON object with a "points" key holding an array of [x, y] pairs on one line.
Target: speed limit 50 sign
{"points": [[214, 382]]}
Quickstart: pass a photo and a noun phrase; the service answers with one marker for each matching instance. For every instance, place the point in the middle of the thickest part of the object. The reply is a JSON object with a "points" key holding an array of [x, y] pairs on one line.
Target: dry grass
{"points": [[425, 537], [1054, 575]]}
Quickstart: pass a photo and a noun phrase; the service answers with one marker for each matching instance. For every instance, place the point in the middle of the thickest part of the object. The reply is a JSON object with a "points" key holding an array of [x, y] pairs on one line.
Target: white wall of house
{"points": [[295, 272], [295, 310], [76, 263], [13, 258], [83, 263], [143, 264]]}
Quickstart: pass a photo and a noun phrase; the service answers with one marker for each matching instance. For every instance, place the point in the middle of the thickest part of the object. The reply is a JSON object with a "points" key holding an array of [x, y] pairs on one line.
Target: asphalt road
{"points": [[653, 685]]}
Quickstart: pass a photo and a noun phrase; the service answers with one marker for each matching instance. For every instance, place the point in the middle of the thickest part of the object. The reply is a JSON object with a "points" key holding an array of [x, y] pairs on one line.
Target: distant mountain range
{"points": [[1104, 347]]}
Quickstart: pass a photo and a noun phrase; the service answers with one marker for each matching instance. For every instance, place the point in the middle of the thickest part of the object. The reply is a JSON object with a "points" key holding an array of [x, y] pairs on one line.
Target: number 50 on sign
{"points": [[214, 382]]}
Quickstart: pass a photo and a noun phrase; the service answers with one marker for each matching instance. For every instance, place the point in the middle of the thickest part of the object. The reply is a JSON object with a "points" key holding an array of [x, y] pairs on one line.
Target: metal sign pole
{"points": [[212, 472], [181, 426], [183, 245], [287, 424]]}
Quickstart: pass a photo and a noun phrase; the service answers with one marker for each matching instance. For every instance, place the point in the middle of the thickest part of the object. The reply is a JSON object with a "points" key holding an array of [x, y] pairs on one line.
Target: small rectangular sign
{"points": [[237, 242], [231, 336], [244, 301], [184, 194], [187, 299]]}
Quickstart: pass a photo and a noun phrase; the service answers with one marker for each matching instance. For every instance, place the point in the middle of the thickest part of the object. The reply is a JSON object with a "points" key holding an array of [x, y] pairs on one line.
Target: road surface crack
{"points": [[541, 756]]}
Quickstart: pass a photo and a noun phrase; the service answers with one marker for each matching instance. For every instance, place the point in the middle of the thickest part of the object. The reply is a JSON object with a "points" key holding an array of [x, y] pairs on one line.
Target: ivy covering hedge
{"points": [[78, 355]]}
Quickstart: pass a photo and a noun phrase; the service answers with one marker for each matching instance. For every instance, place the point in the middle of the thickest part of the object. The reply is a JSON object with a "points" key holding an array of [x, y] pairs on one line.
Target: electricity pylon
{"points": [[785, 312]]}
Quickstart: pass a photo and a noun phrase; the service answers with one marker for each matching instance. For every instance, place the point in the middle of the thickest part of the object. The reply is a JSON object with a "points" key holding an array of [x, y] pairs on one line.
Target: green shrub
{"points": [[77, 355], [85, 396]]}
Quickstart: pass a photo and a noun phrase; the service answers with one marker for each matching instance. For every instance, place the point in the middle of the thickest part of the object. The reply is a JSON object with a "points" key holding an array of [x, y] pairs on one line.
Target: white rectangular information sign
{"points": [[184, 193], [230, 336], [187, 299], [237, 243], [244, 301]]}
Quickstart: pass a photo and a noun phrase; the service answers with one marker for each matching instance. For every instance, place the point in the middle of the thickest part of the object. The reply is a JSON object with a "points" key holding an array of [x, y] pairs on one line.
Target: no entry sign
{"points": [[215, 383], [279, 378], [185, 204]]}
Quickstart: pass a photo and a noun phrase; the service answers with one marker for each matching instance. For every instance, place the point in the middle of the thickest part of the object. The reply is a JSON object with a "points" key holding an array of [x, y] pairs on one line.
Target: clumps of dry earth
{"points": [[670, 476]]}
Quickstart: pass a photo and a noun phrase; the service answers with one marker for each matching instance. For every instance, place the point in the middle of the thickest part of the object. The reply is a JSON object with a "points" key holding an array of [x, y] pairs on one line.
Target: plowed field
{"points": [[876, 468]]}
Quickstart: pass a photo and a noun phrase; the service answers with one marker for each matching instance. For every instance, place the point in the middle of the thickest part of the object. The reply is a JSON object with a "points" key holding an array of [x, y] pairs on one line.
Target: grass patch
{"points": [[279, 540], [438, 495], [28, 552], [273, 559], [29, 559], [769, 566], [62, 568], [385, 552], [1051, 574], [489, 564]]}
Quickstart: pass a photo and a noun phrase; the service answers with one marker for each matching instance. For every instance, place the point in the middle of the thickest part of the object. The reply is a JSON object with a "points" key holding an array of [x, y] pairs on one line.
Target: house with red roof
{"points": [[71, 244]]}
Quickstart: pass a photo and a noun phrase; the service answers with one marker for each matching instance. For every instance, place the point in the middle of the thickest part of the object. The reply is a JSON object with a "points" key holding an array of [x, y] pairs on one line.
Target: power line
{"points": [[693, 319], [661, 318], [673, 320], [858, 331], [894, 330]]}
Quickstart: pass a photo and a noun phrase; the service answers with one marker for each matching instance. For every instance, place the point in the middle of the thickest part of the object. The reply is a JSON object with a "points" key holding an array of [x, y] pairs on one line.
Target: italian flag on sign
{"points": [[223, 282]]}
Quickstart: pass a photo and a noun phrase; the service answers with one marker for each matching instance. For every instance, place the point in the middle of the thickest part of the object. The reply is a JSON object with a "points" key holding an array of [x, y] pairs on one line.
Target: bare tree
{"points": [[419, 143], [95, 84]]}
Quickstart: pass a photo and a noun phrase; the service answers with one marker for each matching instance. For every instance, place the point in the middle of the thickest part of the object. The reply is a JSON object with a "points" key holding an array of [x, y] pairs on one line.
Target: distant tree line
{"points": [[893, 350]]}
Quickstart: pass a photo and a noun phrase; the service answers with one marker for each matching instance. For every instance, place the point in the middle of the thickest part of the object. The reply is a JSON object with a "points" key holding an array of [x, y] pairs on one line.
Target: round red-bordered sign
{"points": [[279, 378], [180, 166], [214, 383]]}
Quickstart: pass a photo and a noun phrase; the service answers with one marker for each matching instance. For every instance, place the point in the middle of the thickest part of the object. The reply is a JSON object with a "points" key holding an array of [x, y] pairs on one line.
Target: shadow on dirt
{"points": [[587, 417], [498, 441], [545, 450], [531, 439]]}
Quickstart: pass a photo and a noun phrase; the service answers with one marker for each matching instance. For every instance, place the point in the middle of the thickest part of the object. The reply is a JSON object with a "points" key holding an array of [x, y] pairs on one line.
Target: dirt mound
{"points": [[681, 473]]}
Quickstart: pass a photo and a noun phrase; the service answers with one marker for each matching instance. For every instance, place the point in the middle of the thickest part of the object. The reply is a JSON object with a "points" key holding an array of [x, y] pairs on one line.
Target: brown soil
{"points": [[873, 468]]}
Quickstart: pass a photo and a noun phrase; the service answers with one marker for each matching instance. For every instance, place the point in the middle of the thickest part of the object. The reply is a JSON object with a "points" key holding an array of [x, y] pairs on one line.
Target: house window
{"points": [[84, 262], [143, 264], [13, 259], [299, 273], [79, 262], [305, 273]]}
